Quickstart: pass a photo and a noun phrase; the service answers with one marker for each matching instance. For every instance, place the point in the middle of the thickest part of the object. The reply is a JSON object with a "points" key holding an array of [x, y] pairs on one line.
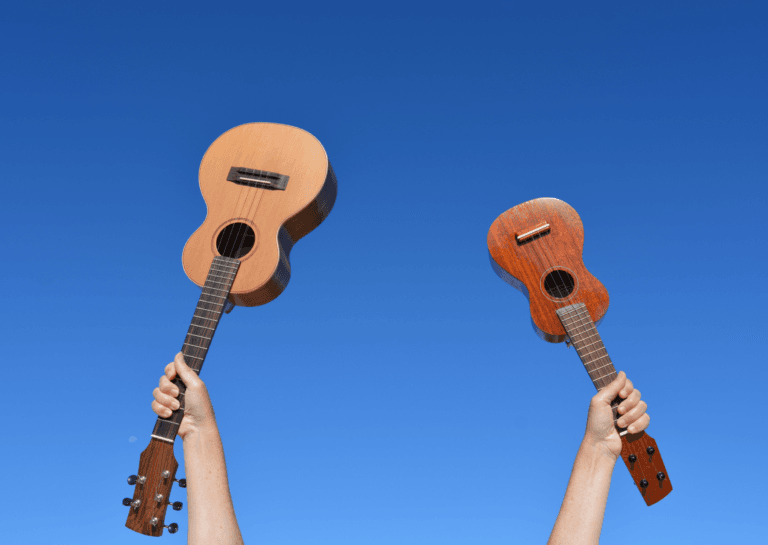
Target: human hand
{"points": [[601, 432], [198, 411]]}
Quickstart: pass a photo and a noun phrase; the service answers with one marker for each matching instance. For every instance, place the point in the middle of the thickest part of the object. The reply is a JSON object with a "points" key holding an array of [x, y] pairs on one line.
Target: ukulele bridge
{"points": [[534, 233], [257, 178]]}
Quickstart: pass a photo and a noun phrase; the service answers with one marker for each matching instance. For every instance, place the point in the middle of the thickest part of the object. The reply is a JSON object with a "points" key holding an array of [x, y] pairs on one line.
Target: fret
{"points": [[209, 309], [218, 260], [196, 346], [593, 352], [606, 365], [169, 421], [198, 325], [608, 375], [225, 271], [212, 295], [200, 336], [162, 438], [211, 275], [590, 344], [207, 301]]}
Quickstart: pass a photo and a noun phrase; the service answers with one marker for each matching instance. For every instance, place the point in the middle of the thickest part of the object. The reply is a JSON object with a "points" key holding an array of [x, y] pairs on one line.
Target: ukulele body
{"points": [[282, 188], [537, 248]]}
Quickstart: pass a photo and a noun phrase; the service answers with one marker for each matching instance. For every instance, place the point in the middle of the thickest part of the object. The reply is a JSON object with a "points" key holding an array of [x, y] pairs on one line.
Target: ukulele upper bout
{"points": [[266, 185], [537, 248]]}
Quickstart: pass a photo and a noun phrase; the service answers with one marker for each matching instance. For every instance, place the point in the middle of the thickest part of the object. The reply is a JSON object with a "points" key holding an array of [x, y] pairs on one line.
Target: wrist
{"points": [[597, 453], [205, 429]]}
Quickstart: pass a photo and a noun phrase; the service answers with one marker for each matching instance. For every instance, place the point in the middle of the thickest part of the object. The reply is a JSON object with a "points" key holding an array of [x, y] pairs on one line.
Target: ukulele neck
{"points": [[583, 335], [205, 320]]}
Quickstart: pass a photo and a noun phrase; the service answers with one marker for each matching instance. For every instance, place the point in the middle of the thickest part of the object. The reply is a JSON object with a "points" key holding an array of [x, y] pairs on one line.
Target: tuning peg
{"points": [[632, 458], [182, 483], [133, 503], [643, 483], [133, 479], [650, 451], [177, 505], [172, 527], [660, 476]]}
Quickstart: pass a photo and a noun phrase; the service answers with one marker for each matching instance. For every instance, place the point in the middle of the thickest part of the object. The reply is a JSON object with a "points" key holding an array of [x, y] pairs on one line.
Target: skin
{"points": [[212, 515], [581, 514], [211, 512]]}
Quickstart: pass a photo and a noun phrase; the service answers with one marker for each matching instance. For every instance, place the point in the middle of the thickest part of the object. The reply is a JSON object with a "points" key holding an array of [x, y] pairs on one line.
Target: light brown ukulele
{"points": [[537, 248], [266, 186]]}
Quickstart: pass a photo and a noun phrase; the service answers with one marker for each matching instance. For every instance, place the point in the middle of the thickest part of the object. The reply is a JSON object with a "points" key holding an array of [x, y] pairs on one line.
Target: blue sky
{"points": [[395, 392]]}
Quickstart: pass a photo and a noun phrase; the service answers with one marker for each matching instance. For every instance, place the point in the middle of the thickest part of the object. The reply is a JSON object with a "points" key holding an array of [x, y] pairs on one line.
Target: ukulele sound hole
{"points": [[559, 284], [235, 240]]}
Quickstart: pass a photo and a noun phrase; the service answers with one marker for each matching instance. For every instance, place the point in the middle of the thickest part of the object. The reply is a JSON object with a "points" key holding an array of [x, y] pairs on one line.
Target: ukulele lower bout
{"points": [[536, 247]]}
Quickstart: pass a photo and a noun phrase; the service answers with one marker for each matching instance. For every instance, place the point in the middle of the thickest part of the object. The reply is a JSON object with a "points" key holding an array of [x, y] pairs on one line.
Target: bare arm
{"points": [[212, 518], [581, 514]]}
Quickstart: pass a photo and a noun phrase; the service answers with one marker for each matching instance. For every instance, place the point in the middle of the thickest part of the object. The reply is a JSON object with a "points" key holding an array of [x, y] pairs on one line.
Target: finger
{"points": [[161, 410], [629, 403], [168, 387], [633, 415], [187, 375], [640, 424], [165, 399], [608, 393], [170, 371], [628, 387]]}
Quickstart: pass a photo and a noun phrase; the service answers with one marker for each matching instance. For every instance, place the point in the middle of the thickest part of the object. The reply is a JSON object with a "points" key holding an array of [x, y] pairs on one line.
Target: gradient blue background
{"points": [[395, 392]]}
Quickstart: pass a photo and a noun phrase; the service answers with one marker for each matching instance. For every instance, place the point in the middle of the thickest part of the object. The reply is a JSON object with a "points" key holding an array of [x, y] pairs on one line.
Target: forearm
{"points": [[211, 513], [581, 515]]}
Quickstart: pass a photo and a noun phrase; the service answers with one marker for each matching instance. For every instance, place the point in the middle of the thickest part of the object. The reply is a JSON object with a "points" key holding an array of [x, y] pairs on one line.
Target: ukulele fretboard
{"points": [[205, 320], [586, 340]]}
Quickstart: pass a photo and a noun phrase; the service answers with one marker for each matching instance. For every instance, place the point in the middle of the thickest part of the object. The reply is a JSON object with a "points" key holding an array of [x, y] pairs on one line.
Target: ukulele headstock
{"points": [[157, 473], [641, 456]]}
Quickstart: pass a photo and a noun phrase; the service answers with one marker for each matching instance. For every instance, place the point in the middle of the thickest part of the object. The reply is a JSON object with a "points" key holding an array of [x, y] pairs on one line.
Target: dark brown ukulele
{"points": [[537, 248], [266, 186]]}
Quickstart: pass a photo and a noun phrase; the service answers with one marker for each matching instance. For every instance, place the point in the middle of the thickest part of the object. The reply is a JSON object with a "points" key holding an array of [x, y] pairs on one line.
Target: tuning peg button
{"points": [[660, 476], [177, 505], [127, 501], [650, 451], [643, 483], [182, 482], [133, 479], [632, 458]]}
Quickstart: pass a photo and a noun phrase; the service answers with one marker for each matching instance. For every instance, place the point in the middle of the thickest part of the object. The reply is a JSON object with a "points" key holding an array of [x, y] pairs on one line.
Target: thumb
{"points": [[610, 392], [187, 375]]}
